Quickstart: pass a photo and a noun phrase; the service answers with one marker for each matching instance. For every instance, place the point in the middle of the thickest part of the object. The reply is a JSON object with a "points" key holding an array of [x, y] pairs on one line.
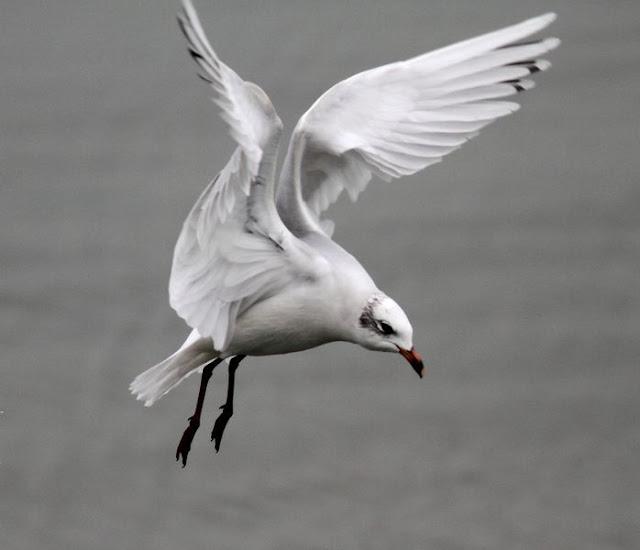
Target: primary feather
{"points": [[397, 119]]}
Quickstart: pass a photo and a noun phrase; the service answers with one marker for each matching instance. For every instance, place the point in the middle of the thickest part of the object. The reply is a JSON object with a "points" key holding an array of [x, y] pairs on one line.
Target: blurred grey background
{"points": [[517, 259]]}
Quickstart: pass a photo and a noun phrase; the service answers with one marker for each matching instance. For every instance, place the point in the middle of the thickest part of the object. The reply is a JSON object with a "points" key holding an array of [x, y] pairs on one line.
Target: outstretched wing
{"points": [[248, 123], [397, 119], [234, 250]]}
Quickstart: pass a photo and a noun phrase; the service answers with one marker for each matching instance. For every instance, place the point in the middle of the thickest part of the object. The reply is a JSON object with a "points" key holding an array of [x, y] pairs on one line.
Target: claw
{"points": [[182, 452], [220, 425]]}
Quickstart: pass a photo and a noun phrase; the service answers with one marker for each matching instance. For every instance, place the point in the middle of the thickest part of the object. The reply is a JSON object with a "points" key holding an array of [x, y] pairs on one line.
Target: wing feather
{"points": [[397, 119], [234, 250]]}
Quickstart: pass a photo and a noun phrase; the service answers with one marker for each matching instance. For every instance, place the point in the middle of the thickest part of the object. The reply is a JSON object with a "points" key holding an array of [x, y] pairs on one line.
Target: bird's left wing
{"points": [[234, 250], [397, 119]]}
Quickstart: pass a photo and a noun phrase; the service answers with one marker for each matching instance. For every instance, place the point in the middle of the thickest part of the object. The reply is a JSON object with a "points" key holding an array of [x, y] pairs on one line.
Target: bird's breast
{"points": [[291, 321]]}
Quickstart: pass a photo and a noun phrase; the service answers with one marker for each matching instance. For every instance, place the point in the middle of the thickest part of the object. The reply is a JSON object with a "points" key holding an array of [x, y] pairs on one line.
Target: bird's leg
{"points": [[227, 408], [194, 421]]}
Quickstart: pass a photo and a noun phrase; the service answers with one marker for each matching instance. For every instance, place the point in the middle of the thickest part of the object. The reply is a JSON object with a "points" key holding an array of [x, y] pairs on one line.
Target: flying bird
{"points": [[255, 270]]}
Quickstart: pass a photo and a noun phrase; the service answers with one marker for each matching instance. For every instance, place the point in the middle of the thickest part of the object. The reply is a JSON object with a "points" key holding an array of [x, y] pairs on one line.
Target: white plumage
{"points": [[255, 271], [397, 119]]}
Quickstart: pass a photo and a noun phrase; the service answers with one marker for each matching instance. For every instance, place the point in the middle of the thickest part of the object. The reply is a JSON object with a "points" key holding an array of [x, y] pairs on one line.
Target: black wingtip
{"points": [[516, 84], [195, 54], [530, 64], [207, 80]]}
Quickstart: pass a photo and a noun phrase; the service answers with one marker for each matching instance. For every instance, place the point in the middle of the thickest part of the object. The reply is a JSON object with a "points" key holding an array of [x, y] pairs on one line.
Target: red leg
{"points": [[194, 421]]}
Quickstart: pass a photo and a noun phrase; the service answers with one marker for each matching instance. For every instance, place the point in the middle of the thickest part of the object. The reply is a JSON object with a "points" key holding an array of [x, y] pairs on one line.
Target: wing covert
{"points": [[397, 119], [233, 250]]}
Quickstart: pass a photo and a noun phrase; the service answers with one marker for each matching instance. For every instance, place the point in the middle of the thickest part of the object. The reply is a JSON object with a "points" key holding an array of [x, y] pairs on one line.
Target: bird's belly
{"points": [[282, 324]]}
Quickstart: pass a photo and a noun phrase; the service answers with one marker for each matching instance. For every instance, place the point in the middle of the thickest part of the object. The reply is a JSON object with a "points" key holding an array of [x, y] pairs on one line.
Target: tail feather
{"points": [[155, 382]]}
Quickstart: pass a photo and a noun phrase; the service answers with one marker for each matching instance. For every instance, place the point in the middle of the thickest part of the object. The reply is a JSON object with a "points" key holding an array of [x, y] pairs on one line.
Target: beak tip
{"points": [[414, 359]]}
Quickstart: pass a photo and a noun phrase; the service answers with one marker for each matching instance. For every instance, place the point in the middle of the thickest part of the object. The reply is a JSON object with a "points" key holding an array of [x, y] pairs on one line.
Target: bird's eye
{"points": [[386, 328]]}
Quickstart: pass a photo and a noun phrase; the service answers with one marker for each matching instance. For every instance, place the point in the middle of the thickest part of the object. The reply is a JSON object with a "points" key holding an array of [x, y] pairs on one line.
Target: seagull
{"points": [[255, 271]]}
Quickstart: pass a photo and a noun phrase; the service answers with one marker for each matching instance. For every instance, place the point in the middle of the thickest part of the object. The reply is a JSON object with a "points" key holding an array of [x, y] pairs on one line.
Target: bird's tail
{"points": [[153, 383]]}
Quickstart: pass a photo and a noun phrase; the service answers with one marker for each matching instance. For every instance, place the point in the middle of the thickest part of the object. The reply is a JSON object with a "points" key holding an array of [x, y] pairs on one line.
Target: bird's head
{"points": [[383, 326]]}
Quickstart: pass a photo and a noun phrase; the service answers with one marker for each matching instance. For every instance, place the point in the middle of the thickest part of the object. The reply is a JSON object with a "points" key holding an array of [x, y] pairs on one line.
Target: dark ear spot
{"points": [[365, 319]]}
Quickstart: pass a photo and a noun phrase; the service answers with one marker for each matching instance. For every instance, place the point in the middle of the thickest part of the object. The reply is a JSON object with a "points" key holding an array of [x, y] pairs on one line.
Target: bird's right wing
{"points": [[397, 119], [234, 250]]}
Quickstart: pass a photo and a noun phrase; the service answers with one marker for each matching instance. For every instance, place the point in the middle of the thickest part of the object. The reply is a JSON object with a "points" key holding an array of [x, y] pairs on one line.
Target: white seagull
{"points": [[255, 271]]}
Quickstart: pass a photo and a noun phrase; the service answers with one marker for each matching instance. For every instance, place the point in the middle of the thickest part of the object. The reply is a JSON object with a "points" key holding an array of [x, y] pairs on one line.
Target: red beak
{"points": [[414, 358]]}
